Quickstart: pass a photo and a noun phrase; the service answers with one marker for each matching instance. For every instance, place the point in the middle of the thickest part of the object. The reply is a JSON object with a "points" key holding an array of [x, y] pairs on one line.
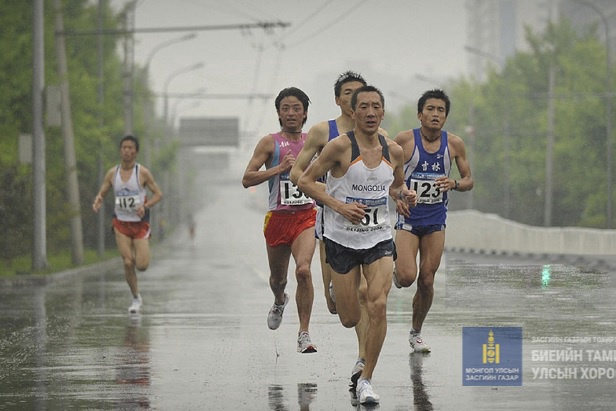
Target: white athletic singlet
{"points": [[129, 196], [369, 186]]}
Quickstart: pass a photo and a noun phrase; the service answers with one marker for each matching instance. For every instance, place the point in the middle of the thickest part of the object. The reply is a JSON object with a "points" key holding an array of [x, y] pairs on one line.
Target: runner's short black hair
{"points": [[293, 92], [130, 138], [434, 93]]}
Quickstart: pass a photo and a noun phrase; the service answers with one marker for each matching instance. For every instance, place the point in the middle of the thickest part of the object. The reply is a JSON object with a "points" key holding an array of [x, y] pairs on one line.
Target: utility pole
{"points": [[101, 121], [69, 140], [549, 154], [129, 57], [39, 249]]}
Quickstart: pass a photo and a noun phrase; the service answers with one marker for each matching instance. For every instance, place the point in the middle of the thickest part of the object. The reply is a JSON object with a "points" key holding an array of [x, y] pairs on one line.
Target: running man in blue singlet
{"points": [[428, 155]]}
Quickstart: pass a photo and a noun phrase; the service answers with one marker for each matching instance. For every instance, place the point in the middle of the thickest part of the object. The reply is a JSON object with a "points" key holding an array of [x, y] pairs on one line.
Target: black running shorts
{"points": [[342, 259]]}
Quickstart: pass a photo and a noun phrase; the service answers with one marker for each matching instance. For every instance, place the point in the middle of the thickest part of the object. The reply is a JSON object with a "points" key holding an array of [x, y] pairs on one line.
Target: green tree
{"points": [[16, 118], [508, 115]]}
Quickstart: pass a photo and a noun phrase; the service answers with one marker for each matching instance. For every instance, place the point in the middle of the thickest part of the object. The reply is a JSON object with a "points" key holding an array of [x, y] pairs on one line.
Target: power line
{"points": [[119, 32], [220, 96]]}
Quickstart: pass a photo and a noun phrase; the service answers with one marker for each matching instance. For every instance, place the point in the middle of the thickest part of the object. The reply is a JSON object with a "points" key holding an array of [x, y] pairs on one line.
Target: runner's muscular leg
{"points": [[142, 253], [362, 325], [407, 245], [347, 302], [278, 258], [125, 246], [431, 250], [302, 250], [378, 277], [326, 273]]}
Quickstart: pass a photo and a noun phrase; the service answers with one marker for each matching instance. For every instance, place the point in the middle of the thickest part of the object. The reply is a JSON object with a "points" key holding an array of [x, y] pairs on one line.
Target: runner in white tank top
{"points": [[350, 206], [129, 181], [129, 196]]}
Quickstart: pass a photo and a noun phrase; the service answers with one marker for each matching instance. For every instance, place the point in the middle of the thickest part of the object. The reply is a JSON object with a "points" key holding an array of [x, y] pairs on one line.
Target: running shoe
{"points": [[365, 393], [304, 345], [136, 305], [274, 318], [357, 370], [395, 278], [417, 343], [354, 399]]}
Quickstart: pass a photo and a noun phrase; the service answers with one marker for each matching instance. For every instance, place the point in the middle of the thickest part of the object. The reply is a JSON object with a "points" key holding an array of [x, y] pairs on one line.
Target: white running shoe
{"points": [[357, 370], [274, 318], [304, 345], [365, 393], [417, 343], [136, 305]]}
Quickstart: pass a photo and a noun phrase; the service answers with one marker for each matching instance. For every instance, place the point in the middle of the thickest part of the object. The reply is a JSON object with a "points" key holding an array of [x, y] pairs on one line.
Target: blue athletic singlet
{"points": [[318, 228], [333, 129], [333, 133], [420, 173]]}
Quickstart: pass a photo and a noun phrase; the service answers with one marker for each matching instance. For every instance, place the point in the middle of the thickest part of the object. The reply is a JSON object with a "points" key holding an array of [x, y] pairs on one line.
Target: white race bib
{"points": [[290, 195], [128, 202], [376, 214], [427, 191]]}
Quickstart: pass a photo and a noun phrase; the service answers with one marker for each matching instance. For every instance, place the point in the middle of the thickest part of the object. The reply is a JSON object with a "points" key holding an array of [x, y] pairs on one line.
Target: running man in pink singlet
{"points": [[289, 222]]}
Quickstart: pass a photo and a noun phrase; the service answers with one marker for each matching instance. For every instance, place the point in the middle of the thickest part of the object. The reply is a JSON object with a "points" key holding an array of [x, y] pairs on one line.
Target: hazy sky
{"points": [[388, 41]]}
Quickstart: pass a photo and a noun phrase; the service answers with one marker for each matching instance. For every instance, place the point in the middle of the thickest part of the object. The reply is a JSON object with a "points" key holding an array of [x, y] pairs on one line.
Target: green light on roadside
{"points": [[545, 276]]}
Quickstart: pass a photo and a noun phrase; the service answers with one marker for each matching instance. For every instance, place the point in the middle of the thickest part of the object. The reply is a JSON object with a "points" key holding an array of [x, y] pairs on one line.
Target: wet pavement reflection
{"points": [[202, 343]]}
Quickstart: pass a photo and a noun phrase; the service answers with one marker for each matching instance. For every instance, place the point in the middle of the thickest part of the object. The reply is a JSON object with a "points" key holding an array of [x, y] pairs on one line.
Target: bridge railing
{"points": [[473, 231]]}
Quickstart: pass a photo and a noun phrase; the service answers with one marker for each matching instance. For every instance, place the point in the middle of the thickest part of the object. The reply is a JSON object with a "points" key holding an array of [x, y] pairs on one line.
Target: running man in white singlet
{"points": [[131, 219], [363, 170], [319, 135]]}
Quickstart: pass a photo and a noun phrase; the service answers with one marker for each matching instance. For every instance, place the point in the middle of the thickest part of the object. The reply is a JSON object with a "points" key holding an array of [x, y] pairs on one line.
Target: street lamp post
{"points": [[174, 111], [146, 112], [173, 193], [166, 88], [164, 44], [608, 104]]}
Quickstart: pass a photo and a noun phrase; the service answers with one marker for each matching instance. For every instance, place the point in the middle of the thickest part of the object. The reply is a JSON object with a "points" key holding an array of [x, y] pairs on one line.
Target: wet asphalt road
{"points": [[202, 343]]}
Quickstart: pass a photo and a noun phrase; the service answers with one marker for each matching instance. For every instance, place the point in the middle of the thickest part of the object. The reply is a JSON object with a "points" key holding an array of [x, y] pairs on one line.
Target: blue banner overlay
{"points": [[491, 356]]}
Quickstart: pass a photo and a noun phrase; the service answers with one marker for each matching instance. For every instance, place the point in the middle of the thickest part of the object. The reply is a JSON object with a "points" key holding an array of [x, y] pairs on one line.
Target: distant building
{"points": [[496, 27], [583, 16]]}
